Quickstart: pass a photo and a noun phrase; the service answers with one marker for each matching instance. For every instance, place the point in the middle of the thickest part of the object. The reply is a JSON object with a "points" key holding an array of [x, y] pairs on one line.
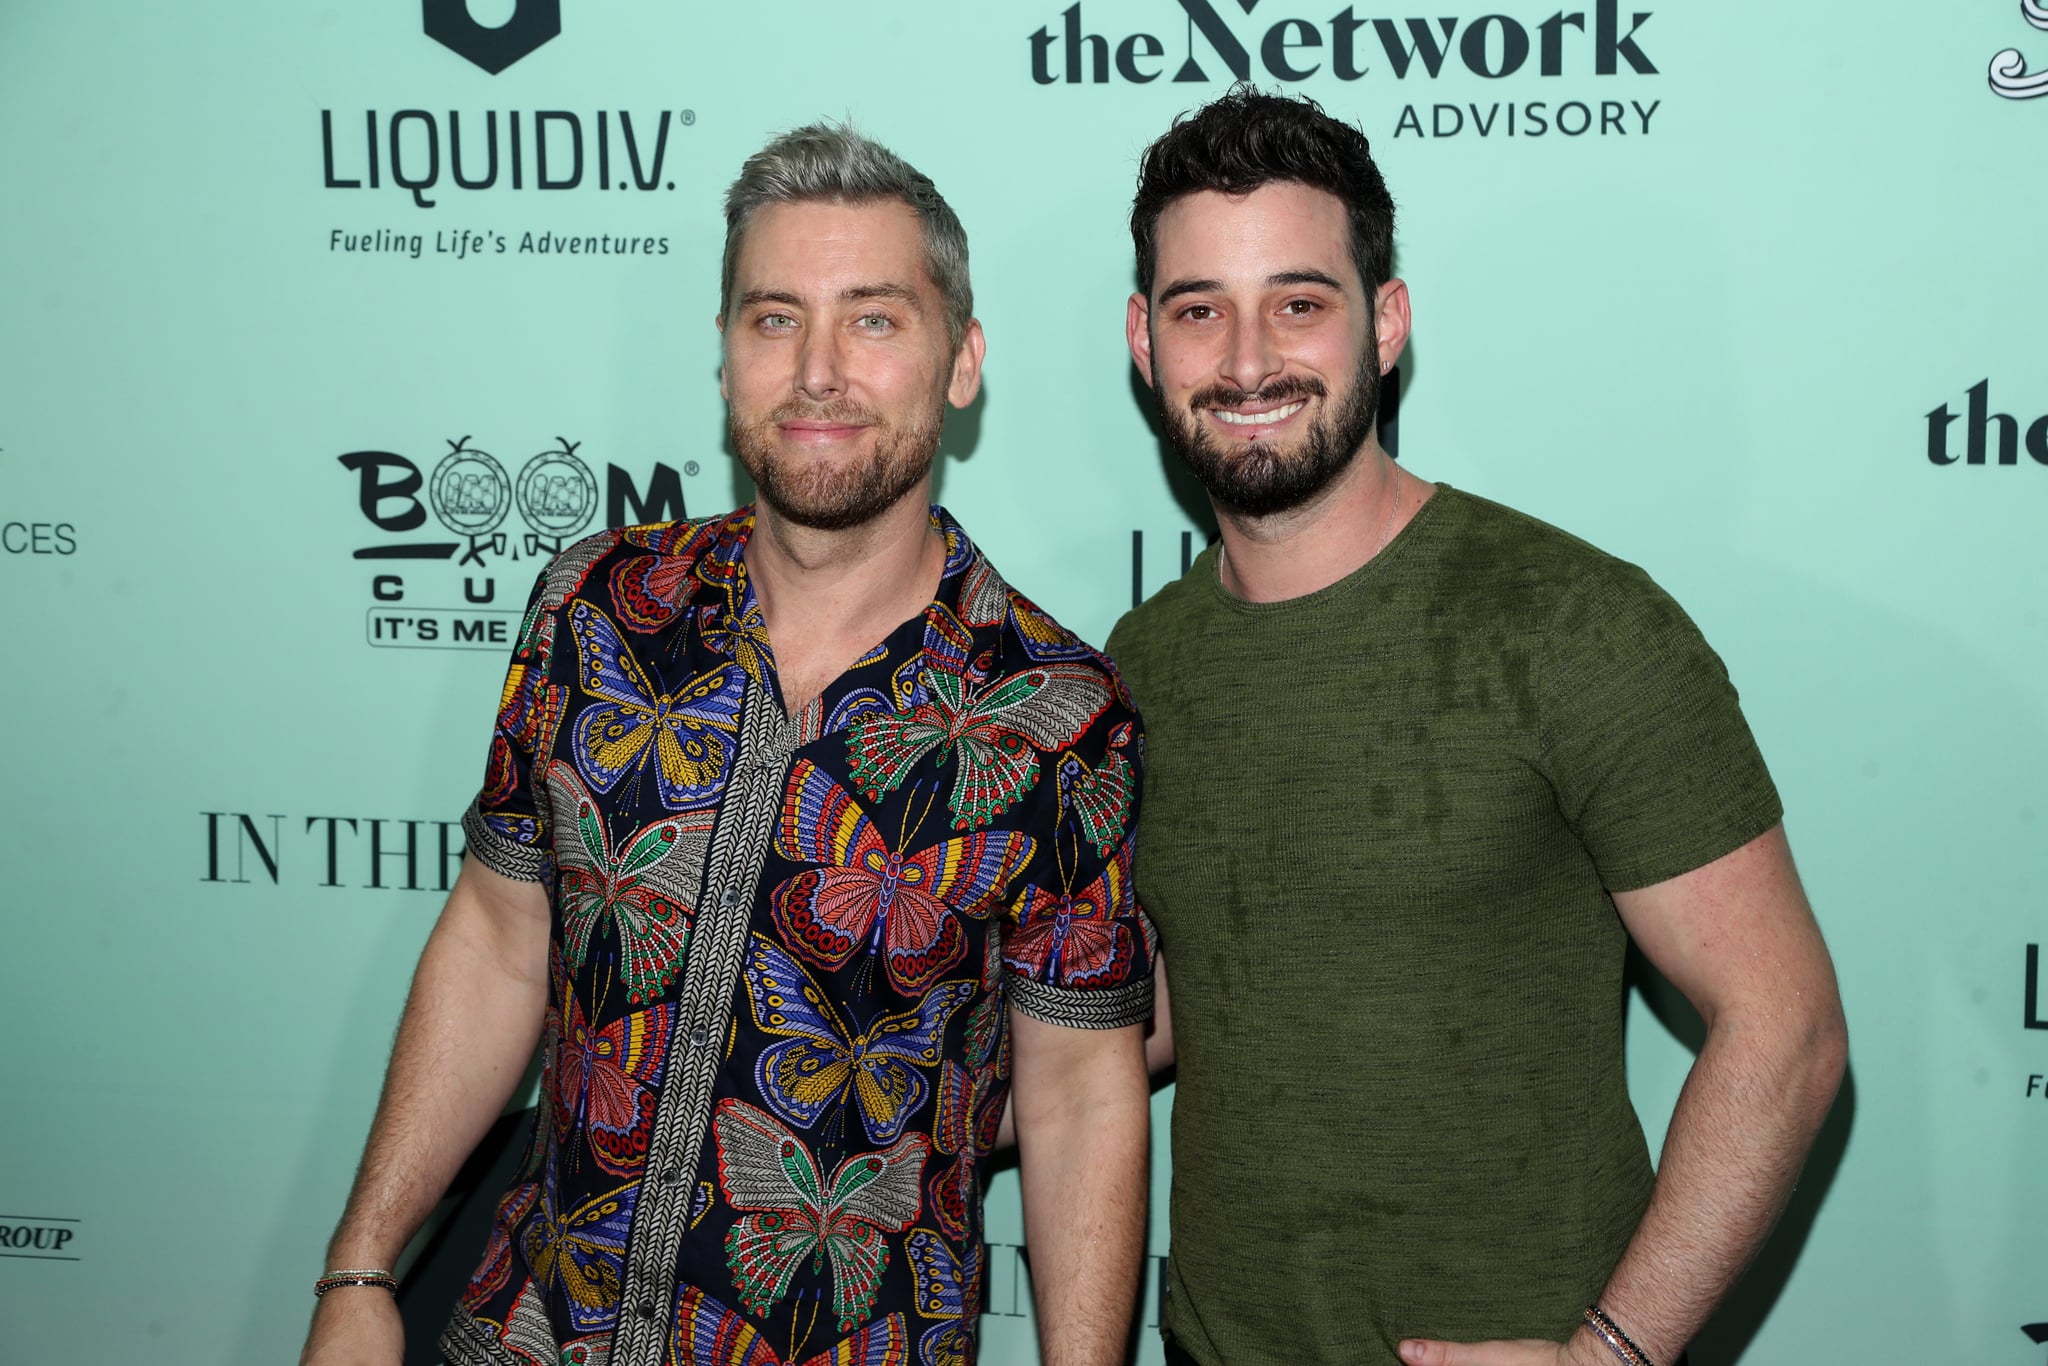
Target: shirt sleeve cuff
{"points": [[1112, 1009], [503, 856]]}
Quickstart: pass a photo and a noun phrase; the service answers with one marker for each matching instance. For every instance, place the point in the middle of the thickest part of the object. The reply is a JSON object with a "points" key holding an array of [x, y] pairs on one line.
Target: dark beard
{"points": [[835, 499], [1259, 479]]}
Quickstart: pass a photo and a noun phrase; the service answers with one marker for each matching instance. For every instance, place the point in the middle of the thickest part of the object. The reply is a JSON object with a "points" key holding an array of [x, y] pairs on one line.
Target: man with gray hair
{"points": [[802, 839]]}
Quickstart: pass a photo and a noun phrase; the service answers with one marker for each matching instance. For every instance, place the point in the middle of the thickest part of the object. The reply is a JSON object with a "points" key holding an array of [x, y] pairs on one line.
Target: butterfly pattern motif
{"points": [[1098, 799], [820, 1063], [947, 1344], [687, 733], [638, 887], [707, 1333], [795, 1217], [1076, 938], [924, 821], [649, 589], [606, 1081], [579, 1253], [863, 894], [993, 736], [948, 1284]]}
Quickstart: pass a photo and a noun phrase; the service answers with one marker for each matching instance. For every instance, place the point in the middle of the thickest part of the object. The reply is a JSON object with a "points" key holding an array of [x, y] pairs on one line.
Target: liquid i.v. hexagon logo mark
{"points": [[492, 47]]}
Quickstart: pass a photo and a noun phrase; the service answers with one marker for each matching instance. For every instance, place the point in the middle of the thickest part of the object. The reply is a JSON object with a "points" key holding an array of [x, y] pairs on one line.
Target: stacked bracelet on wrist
{"points": [[1617, 1341], [335, 1280]]}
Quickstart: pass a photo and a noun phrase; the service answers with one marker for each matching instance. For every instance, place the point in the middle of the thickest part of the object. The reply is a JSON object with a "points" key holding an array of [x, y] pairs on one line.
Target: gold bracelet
{"points": [[335, 1280]]}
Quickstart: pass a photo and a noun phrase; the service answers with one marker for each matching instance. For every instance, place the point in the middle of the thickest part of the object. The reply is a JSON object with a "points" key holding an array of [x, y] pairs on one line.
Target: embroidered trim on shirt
{"points": [[1125, 1005], [508, 858], [465, 1342]]}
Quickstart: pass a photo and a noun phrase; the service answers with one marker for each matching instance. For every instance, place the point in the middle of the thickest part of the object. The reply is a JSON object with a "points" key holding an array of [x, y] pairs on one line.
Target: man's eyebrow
{"points": [[1180, 287], [770, 296], [884, 289], [1305, 277]]}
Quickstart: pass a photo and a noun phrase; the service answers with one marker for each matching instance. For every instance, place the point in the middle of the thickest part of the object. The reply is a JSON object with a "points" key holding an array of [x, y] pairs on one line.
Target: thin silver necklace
{"points": [[1387, 531]]}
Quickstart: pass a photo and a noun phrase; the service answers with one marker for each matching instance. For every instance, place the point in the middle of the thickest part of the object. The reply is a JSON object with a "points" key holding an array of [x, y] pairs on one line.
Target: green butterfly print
{"points": [[793, 1217], [992, 735], [643, 887]]}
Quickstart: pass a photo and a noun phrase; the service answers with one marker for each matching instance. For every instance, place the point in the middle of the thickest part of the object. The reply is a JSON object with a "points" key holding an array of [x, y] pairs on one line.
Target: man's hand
{"points": [[355, 1325]]}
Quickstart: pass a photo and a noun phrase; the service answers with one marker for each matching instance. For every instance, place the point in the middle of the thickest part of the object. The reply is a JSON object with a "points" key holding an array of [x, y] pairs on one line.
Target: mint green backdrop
{"points": [[1701, 318]]}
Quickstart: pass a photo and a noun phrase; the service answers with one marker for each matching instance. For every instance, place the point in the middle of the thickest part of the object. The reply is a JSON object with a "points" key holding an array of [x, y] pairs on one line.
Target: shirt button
{"points": [[646, 1309], [698, 1036], [671, 1174], [731, 898]]}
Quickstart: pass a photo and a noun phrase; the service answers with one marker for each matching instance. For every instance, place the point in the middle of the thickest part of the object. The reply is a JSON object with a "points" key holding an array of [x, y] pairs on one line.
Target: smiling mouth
{"points": [[820, 431], [1269, 418]]}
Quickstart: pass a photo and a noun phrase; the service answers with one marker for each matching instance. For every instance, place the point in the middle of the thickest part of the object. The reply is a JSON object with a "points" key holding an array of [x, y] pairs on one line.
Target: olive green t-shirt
{"points": [[1382, 822]]}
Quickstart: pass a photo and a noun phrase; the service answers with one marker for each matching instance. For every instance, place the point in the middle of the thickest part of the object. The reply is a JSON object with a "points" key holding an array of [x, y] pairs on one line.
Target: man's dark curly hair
{"points": [[1244, 139]]}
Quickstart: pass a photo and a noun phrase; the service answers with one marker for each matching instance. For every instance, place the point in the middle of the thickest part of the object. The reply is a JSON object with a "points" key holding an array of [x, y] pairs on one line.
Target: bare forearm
{"points": [[469, 1029], [1083, 1127], [1738, 1137]]}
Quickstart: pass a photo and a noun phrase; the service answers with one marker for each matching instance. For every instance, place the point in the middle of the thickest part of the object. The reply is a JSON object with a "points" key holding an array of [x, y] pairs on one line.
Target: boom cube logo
{"points": [[419, 570], [2009, 75]]}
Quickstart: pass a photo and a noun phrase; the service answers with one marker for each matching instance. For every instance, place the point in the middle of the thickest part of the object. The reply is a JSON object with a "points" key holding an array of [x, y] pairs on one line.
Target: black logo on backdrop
{"points": [[472, 497], [39, 1239], [1211, 44], [373, 852], [1207, 43], [1493, 46], [2009, 75], [38, 538], [2031, 1018], [1983, 430], [533, 22], [426, 156]]}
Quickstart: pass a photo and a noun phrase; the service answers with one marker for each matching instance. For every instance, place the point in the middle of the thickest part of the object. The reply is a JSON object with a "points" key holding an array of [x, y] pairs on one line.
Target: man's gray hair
{"points": [[831, 162]]}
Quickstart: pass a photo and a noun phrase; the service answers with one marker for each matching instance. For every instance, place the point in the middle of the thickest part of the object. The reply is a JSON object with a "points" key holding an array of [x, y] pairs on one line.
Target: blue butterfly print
{"points": [[819, 1060], [948, 1287], [689, 733]]}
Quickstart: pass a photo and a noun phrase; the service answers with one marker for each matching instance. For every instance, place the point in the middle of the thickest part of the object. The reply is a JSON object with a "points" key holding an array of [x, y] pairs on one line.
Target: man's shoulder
{"points": [[987, 600], [1163, 617], [1488, 550], [569, 573]]}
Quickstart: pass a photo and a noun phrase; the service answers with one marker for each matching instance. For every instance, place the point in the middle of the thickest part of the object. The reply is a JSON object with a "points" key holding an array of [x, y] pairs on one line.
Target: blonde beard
{"points": [[825, 497]]}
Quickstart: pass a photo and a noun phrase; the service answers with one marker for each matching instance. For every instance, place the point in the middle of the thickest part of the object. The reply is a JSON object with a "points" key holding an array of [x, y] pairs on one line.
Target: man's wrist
{"points": [[1584, 1348], [356, 1278]]}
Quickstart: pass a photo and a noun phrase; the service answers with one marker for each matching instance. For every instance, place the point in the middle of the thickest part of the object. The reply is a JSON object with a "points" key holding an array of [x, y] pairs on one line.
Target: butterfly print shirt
{"points": [[782, 950]]}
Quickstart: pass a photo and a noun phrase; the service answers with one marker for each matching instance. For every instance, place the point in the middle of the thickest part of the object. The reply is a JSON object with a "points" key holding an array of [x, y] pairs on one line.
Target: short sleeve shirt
{"points": [[1384, 824], [782, 951]]}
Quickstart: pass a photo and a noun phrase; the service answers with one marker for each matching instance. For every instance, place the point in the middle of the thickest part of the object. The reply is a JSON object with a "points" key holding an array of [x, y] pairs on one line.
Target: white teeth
{"points": [[1280, 414]]}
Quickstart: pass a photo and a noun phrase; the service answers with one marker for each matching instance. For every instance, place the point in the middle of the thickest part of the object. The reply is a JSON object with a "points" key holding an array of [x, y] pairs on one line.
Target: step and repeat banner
{"points": [[322, 325]]}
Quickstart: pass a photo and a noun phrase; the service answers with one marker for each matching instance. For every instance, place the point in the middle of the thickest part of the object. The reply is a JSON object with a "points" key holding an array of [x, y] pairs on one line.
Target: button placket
{"points": [[745, 827]]}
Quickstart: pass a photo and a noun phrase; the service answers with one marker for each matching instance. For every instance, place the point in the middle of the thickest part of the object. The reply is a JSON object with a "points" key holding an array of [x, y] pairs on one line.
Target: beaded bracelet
{"points": [[335, 1280], [1618, 1342]]}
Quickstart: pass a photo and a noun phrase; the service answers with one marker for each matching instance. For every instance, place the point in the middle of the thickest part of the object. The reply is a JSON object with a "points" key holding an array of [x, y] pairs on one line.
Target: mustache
{"points": [[834, 410], [1279, 391]]}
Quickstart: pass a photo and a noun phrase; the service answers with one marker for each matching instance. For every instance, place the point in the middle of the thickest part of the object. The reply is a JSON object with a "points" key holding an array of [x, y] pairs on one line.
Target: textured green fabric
{"points": [[1382, 822]]}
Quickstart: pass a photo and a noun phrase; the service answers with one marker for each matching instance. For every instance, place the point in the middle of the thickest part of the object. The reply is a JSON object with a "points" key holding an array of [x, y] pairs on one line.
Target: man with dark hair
{"points": [[802, 839], [1420, 768]]}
